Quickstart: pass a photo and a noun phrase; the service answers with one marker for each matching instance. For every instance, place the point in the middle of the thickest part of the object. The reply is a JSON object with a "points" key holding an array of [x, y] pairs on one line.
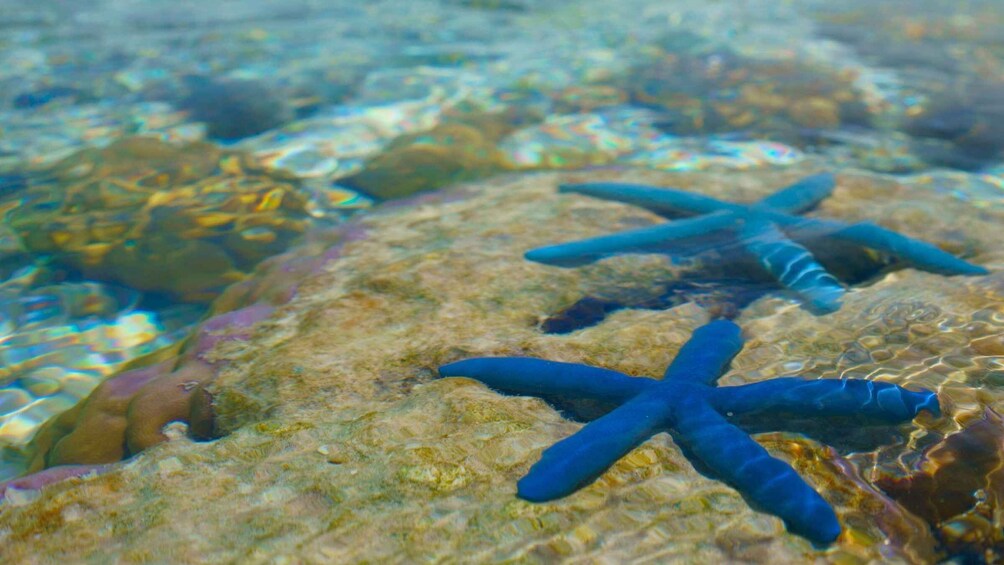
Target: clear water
{"points": [[153, 155]]}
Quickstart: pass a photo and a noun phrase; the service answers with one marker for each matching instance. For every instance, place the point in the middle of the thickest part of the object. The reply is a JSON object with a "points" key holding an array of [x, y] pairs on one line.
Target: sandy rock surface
{"points": [[343, 446]]}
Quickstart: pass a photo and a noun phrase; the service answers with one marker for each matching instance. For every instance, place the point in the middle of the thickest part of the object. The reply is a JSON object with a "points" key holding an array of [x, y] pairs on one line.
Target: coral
{"points": [[765, 229], [126, 413], [183, 220], [58, 342], [684, 402]]}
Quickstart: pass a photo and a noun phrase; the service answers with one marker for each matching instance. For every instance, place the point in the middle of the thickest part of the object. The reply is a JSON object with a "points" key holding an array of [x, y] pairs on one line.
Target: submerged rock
{"points": [[45, 95], [971, 121], [60, 341], [340, 445], [958, 488], [723, 92], [185, 220], [131, 411], [234, 108], [461, 148]]}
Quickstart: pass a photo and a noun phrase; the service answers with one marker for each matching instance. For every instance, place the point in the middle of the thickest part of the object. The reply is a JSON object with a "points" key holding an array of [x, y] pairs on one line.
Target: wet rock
{"points": [[971, 120], [461, 148], [425, 468], [128, 412], [183, 220], [43, 96], [958, 488], [720, 91], [233, 109]]}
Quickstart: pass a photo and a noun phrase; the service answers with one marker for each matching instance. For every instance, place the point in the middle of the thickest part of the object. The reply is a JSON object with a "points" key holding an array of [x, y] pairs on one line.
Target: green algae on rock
{"points": [[342, 446]]}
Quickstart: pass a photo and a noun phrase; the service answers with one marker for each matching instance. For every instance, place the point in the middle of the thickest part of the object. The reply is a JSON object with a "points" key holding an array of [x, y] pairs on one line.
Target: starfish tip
{"points": [[930, 404], [823, 179], [555, 256], [458, 368], [720, 331], [827, 304], [533, 489], [824, 529]]}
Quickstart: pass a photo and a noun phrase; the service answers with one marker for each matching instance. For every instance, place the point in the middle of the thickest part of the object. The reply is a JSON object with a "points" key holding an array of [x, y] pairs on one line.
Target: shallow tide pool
{"points": [[485, 281]]}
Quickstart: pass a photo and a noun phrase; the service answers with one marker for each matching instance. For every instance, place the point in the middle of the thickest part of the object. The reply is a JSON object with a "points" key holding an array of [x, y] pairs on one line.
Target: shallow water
{"points": [[173, 170]]}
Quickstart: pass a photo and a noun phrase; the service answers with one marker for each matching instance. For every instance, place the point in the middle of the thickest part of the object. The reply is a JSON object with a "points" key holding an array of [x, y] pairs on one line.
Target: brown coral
{"points": [[959, 489], [127, 413], [462, 148], [723, 92], [184, 220]]}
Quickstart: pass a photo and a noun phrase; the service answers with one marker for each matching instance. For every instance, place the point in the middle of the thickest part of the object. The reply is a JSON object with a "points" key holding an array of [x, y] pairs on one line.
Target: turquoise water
{"points": [[154, 154]]}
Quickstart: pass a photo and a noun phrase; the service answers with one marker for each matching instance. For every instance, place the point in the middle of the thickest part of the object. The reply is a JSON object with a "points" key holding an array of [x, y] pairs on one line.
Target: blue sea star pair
{"points": [[687, 404], [766, 229]]}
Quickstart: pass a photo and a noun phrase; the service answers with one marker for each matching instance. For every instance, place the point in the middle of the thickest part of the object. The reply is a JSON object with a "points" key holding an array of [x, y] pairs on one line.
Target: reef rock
{"points": [[184, 220], [234, 108], [959, 489], [58, 342], [721, 91], [461, 148], [339, 444]]}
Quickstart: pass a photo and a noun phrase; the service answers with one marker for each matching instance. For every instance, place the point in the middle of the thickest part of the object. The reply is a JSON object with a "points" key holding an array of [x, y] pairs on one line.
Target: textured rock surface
{"points": [[184, 220], [461, 148], [958, 487], [342, 446], [58, 342]]}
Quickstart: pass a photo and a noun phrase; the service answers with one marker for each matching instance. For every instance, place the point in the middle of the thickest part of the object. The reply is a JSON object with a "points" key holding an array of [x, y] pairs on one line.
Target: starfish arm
{"points": [[791, 264], [918, 253], [707, 353], [659, 200], [537, 377], [826, 397], [802, 196], [763, 480], [645, 240], [579, 459]]}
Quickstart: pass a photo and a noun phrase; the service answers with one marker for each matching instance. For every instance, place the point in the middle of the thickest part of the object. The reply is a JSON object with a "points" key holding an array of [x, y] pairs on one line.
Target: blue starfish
{"points": [[767, 229], [687, 404]]}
